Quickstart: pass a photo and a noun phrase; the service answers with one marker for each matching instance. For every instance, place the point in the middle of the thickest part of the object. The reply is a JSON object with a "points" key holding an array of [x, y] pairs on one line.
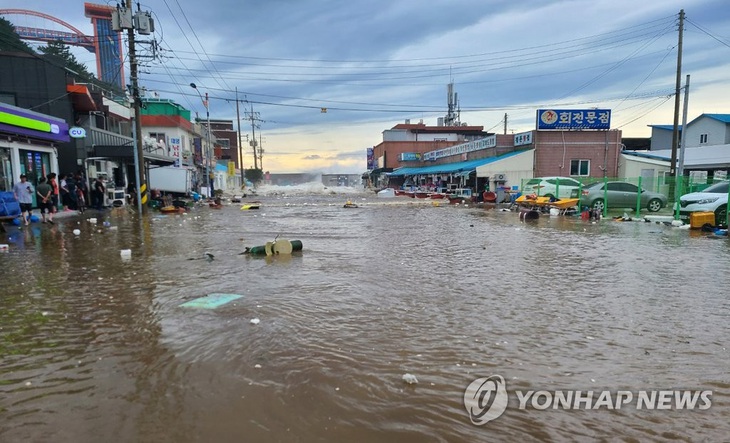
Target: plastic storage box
{"points": [[699, 219]]}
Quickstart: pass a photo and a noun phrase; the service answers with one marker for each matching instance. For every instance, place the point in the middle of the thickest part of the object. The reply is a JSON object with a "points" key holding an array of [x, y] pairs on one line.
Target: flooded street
{"points": [[97, 348]]}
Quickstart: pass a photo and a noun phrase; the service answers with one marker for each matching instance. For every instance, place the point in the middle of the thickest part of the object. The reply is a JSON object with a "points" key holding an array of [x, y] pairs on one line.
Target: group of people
{"points": [[68, 189]]}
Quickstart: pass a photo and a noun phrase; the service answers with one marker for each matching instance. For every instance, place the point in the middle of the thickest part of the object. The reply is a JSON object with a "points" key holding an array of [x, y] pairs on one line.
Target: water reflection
{"points": [[448, 294]]}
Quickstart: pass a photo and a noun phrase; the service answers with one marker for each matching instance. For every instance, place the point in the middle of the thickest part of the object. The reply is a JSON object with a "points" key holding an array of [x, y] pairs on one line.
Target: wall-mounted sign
{"points": [[77, 132], [475, 145], [33, 124], [409, 157], [573, 119], [372, 164], [175, 150], [523, 138]]}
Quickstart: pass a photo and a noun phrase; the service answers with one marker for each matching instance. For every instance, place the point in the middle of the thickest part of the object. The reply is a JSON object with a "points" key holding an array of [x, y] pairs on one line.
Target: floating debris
{"points": [[410, 379]]}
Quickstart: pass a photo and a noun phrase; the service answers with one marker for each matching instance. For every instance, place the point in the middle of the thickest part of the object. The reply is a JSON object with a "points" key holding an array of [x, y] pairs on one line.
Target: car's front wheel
{"points": [[721, 215], [598, 205], [654, 205]]}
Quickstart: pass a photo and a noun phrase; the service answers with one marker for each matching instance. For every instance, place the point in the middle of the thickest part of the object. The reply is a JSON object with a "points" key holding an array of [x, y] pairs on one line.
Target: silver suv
{"points": [[712, 199]]}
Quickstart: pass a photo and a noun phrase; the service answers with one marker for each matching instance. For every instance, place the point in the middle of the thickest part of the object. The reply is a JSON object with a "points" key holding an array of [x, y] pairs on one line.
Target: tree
{"points": [[10, 40], [254, 175], [59, 49]]}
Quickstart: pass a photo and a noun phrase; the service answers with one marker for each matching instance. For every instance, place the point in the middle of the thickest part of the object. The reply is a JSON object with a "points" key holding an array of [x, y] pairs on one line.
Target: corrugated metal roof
{"points": [[666, 127], [725, 118], [716, 156]]}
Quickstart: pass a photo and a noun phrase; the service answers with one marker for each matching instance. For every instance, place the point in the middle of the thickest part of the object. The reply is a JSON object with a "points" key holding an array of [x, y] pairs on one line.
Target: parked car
{"points": [[551, 186], [711, 199], [620, 195]]}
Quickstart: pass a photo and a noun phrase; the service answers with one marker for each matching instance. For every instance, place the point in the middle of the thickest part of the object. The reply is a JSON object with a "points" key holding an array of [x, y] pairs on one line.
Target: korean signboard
{"points": [[409, 157], [475, 145], [523, 138], [573, 119], [175, 150]]}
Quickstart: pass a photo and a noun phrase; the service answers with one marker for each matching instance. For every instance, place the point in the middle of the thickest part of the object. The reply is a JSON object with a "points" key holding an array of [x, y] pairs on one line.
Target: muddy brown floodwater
{"points": [[97, 348]]}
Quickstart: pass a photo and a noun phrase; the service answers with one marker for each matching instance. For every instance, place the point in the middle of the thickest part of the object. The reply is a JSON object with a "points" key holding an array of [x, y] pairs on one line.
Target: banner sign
{"points": [[371, 159], [475, 145], [523, 138], [409, 157], [175, 150], [33, 124], [573, 119]]}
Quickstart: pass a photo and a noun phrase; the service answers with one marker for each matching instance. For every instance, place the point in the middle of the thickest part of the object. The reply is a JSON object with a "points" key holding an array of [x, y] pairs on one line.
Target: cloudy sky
{"points": [[376, 63]]}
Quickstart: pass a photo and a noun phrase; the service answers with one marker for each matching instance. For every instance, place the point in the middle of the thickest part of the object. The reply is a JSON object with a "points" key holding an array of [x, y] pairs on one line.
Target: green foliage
{"points": [[254, 175], [59, 49], [9, 39]]}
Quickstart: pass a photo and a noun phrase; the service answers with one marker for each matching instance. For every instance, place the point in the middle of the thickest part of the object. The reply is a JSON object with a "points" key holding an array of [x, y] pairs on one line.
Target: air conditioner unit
{"points": [[500, 177]]}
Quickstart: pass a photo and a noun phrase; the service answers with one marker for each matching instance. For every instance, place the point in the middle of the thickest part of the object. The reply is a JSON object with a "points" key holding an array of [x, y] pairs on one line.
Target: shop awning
{"points": [[460, 168], [81, 98]]}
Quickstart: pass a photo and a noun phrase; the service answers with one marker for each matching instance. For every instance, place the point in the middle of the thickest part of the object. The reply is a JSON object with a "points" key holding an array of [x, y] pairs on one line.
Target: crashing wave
{"points": [[311, 188]]}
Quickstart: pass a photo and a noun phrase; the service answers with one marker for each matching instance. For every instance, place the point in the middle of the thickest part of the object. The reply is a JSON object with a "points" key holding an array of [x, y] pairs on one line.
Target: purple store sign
{"points": [[21, 121]]}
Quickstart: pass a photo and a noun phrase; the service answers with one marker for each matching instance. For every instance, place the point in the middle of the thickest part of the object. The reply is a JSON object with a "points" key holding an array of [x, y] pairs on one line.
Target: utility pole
{"points": [[505, 123], [675, 132], [253, 138], [680, 166], [261, 152], [124, 18], [240, 148], [133, 76]]}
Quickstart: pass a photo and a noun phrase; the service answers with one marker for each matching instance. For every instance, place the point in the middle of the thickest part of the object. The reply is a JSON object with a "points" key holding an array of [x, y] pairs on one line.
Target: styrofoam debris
{"points": [[410, 379]]}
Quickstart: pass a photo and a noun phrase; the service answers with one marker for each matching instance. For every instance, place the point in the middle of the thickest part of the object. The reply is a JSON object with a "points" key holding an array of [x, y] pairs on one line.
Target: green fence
{"points": [[622, 193]]}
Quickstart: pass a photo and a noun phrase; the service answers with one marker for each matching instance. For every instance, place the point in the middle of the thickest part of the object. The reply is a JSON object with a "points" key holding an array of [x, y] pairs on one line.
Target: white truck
{"points": [[171, 179]]}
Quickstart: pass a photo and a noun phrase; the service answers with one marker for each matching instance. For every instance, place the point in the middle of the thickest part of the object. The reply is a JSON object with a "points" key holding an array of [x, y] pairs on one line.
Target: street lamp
{"points": [[207, 148]]}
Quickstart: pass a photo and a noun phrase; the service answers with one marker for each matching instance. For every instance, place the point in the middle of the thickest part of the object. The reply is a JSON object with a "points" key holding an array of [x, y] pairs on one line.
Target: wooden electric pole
{"points": [[675, 132]]}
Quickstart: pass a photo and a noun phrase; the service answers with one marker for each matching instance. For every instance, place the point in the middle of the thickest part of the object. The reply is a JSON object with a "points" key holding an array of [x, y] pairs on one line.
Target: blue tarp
{"points": [[211, 301], [451, 168]]}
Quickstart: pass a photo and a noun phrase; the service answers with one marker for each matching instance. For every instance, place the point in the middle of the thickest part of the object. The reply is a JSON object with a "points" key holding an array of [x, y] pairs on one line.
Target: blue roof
{"points": [[647, 155], [725, 118], [667, 127], [450, 168]]}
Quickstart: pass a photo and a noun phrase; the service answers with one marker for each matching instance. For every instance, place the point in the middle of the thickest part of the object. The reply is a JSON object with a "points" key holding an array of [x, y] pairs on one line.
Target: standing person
{"points": [[63, 192], [24, 194], [73, 202], [82, 186], [45, 199], [54, 186], [99, 190]]}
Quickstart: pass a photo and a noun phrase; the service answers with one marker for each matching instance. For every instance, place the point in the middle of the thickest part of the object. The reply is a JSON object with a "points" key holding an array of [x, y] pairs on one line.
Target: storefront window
{"points": [[34, 165], [6, 172]]}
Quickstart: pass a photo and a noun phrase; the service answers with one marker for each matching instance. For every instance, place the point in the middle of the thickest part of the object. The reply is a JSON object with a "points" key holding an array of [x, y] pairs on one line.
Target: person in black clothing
{"points": [[99, 190]]}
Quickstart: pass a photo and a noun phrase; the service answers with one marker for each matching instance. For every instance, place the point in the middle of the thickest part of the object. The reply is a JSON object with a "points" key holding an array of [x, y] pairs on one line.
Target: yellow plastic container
{"points": [[699, 219]]}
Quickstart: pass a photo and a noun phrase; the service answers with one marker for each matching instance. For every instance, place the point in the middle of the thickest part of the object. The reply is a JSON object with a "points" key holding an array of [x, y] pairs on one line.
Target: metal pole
{"points": [[253, 139], [206, 150], [207, 166], [240, 148], [261, 153]]}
